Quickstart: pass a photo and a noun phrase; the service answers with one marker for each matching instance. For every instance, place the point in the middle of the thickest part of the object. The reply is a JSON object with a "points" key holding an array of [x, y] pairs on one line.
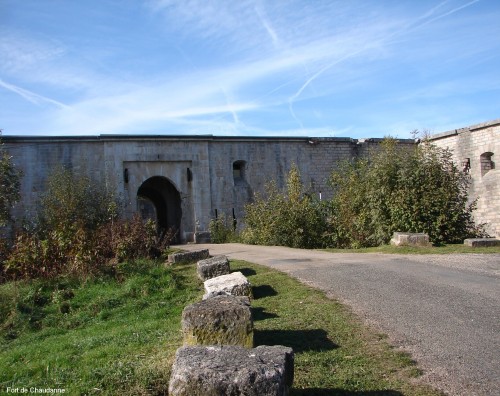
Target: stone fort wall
{"points": [[475, 149], [219, 175], [213, 175]]}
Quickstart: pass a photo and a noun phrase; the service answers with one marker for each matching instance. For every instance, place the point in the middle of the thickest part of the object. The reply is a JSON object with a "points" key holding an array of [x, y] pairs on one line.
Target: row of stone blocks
{"points": [[218, 357], [422, 239]]}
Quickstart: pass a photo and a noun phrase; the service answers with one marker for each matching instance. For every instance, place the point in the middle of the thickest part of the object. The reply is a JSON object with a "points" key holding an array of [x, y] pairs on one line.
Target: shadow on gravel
{"points": [[259, 313], [341, 392], [300, 340], [263, 291], [247, 271]]}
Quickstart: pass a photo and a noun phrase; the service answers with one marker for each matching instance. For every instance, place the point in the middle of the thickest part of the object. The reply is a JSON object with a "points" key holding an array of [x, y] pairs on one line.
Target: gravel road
{"points": [[443, 309]]}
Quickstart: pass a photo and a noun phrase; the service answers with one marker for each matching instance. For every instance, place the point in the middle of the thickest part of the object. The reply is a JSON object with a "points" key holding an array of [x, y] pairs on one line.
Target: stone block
{"points": [[187, 257], [410, 239], [482, 242], [202, 237], [221, 320], [232, 370], [235, 284], [212, 267]]}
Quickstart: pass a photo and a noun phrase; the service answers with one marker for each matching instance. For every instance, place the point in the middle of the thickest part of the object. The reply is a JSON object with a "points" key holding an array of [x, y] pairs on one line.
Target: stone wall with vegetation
{"points": [[476, 150]]}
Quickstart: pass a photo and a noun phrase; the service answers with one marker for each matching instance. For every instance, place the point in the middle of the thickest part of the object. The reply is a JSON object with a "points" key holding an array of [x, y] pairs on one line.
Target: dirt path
{"points": [[443, 309]]}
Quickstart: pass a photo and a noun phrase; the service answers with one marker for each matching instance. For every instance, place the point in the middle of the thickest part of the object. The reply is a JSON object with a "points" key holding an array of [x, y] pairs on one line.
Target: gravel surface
{"points": [[443, 309]]}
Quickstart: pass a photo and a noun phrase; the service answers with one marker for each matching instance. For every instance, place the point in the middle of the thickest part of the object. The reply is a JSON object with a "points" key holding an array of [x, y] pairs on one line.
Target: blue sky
{"points": [[247, 67]]}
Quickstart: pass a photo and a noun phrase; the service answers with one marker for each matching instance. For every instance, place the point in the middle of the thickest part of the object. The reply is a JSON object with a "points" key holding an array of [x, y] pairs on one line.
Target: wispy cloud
{"points": [[31, 96]]}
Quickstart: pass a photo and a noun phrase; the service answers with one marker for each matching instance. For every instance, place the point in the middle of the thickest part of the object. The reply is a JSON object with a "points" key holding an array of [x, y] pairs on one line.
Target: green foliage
{"points": [[78, 233], [396, 189], [10, 182], [221, 231], [290, 218], [123, 330], [72, 202]]}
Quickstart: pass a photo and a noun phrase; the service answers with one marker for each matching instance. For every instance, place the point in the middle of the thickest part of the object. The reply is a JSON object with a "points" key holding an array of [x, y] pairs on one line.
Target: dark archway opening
{"points": [[159, 192]]}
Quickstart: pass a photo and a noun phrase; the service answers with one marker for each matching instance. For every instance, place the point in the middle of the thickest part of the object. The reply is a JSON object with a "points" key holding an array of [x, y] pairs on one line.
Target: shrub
{"points": [[290, 218], [395, 189], [221, 231], [77, 232], [10, 182]]}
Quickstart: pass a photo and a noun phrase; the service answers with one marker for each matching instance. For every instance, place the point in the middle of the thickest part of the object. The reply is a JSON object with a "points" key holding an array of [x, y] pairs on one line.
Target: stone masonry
{"points": [[476, 149], [189, 180]]}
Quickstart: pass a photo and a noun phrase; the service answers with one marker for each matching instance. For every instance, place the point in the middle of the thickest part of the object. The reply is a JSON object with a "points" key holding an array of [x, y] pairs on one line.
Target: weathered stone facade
{"points": [[189, 180], [474, 150], [185, 181]]}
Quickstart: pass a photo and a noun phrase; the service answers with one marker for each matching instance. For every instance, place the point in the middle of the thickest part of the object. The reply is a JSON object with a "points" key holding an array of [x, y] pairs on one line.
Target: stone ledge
{"points": [[235, 284], [187, 257], [212, 267], [232, 370], [221, 320], [482, 242]]}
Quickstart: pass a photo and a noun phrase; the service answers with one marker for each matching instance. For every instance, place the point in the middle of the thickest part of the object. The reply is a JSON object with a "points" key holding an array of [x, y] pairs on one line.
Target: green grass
{"points": [[108, 336], [119, 335], [446, 249]]}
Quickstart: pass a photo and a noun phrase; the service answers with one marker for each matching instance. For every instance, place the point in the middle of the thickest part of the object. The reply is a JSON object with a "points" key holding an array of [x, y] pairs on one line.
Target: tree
{"points": [[395, 189], [10, 182]]}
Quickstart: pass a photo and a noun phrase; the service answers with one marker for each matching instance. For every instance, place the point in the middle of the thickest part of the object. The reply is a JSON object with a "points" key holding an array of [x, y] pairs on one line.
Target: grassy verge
{"points": [[446, 249], [105, 337], [119, 335]]}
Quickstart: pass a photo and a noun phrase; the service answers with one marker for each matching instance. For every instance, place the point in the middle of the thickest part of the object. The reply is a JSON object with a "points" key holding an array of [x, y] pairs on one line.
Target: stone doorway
{"points": [[158, 199]]}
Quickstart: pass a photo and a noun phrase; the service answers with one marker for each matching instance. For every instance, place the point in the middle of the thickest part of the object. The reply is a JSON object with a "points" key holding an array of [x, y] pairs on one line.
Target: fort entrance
{"points": [[159, 200]]}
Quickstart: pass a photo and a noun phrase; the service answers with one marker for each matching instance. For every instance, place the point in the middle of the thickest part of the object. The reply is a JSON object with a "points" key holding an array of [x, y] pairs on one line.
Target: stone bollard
{"points": [[232, 370], [187, 257], [212, 267], [235, 284], [410, 239], [221, 320], [481, 242]]}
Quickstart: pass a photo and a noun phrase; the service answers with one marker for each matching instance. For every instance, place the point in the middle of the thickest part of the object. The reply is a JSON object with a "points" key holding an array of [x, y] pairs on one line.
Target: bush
{"points": [[221, 231], [77, 232], [413, 190], [290, 218], [10, 182]]}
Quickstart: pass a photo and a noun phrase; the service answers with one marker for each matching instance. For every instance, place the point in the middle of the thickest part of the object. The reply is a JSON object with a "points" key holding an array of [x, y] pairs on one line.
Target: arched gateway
{"points": [[157, 198]]}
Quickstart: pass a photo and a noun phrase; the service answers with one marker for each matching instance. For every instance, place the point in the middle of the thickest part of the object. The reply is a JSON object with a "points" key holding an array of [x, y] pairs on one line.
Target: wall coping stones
{"points": [[187, 257], [481, 242], [212, 267], [410, 239], [232, 370], [220, 320], [470, 128], [235, 284]]}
